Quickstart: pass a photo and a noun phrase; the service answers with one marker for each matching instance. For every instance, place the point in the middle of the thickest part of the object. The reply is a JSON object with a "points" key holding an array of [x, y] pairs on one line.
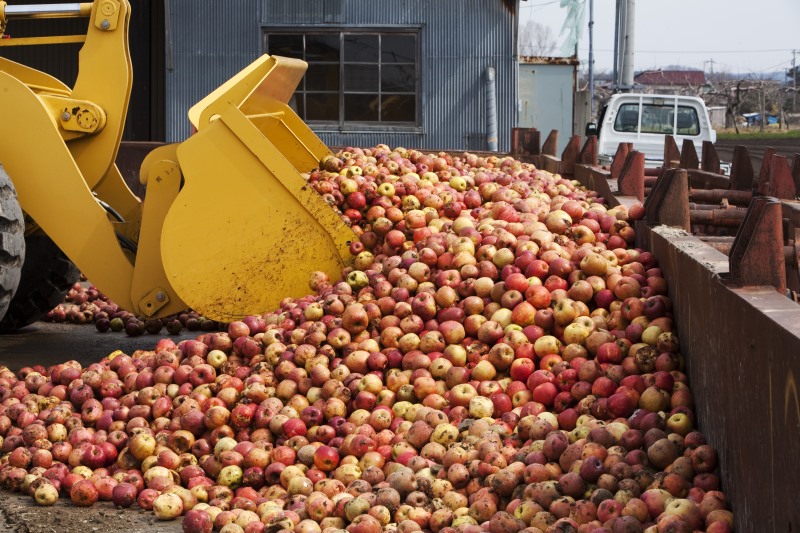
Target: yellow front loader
{"points": [[229, 225]]}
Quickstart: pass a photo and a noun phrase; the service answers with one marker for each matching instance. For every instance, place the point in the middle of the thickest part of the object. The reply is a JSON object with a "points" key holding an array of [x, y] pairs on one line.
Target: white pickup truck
{"points": [[645, 119]]}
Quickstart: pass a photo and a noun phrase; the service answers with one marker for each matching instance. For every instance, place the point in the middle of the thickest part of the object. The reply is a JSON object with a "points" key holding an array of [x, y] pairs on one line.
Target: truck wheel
{"points": [[47, 276], [12, 241]]}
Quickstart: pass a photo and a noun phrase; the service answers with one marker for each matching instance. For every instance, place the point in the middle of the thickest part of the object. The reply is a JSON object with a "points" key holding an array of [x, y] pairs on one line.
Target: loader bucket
{"points": [[247, 230]]}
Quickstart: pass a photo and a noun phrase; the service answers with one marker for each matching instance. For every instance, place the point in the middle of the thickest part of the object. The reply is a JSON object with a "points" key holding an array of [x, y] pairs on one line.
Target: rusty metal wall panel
{"points": [[459, 40], [210, 42], [742, 347]]}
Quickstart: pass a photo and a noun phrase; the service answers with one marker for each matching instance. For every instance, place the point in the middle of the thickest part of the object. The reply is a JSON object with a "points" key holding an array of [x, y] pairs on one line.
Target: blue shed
{"points": [[429, 74]]}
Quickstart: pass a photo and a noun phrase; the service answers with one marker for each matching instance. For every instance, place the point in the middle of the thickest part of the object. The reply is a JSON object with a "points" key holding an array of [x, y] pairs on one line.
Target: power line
{"points": [[794, 81], [704, 51], [782, 63]]}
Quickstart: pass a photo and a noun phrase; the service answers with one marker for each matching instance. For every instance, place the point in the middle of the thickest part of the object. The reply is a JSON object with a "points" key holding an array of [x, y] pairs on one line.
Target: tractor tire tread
{"points": [[12, 241], [47, 276]]}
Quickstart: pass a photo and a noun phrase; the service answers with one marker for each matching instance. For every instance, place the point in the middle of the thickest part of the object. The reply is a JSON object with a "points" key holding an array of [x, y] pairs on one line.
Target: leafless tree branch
{"points": [[536, 39]]}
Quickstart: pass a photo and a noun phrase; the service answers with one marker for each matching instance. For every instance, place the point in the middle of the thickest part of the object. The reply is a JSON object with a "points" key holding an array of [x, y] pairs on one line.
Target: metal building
{"points": [[430, 74], [547, 87]]}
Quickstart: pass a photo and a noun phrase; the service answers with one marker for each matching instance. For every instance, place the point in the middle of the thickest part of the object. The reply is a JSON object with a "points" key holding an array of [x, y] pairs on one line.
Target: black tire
{"points": [[12, 242], [47, 276]]}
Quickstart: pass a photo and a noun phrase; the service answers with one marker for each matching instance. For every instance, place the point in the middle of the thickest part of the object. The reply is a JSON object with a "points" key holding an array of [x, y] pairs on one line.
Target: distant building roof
{"points": [[671, 77]]}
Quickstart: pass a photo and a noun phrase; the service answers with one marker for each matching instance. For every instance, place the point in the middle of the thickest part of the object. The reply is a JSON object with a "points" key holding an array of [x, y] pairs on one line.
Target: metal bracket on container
{"points": [[742, 173], [672, 156], [780, 183], [757, 254], [548, 160], [619, 159], [588, 155], [587, 160], [631, 178], [710, 159], [570, 155], [762, 185], [689, 158], [776, 178], [668, 201], [550, 145]]}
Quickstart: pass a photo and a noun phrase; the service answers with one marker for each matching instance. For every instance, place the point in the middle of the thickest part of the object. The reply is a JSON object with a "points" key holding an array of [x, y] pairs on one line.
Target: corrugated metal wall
{"points": [[460, 39], [207, 43]]}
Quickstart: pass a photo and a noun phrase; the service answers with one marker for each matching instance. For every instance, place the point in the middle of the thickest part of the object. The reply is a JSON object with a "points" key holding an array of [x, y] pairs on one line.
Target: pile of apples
{"points": [[86, 304], [499, 357]]}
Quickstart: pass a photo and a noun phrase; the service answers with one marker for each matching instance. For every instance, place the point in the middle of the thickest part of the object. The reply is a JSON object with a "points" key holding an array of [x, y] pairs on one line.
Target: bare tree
{"points": [[536, 39], [729, 93], [691, 89], [747, 95], [603, 82], [773, 101]]}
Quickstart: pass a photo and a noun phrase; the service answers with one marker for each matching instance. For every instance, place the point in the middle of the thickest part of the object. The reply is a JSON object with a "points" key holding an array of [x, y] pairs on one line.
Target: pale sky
{"points": [[740, 36]]}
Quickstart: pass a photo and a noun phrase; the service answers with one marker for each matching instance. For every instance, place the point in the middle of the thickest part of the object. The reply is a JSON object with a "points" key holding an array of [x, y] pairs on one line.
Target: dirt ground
{"points": [[20, 514]]}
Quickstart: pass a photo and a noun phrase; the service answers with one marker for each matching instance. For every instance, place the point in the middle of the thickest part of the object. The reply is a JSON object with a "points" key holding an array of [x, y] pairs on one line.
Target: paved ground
{"points": [[755, 147], [47, 343]]}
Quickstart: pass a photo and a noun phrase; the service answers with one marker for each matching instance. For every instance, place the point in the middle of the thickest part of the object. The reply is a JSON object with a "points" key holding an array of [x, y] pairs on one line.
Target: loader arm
{"points": [[230, 226], [51, 189], [59, 145], [105, 77]]}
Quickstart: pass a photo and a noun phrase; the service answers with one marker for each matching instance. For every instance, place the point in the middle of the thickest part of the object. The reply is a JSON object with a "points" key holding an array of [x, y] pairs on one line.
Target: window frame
{"points": [[341, 125], [696, 122], [623, 108], [674, 109]]}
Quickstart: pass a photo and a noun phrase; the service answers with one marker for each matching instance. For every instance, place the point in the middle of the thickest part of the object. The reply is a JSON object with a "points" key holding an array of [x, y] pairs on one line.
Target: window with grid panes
{"points": [[367, 77]]}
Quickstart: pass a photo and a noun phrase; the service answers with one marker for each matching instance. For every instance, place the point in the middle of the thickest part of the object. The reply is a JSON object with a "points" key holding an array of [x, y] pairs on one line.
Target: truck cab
{"points": [[645, 120]]}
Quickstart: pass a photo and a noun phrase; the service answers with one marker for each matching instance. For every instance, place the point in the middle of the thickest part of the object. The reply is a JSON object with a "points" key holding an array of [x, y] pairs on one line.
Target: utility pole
{"points": [[591, 60], [627, 55], [711, 68], [617, 31], [794, 81]]}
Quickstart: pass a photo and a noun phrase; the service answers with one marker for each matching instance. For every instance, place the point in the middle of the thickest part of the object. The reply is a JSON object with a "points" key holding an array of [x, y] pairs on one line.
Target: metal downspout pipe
{"points": [[491, 110]]}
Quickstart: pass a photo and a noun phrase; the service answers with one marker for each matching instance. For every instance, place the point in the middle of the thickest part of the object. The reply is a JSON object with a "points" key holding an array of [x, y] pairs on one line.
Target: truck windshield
{"points": [[657, 119]]}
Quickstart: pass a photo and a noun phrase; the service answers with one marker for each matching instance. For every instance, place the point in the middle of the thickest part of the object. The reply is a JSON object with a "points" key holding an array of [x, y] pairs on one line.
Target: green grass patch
{"points": [[766, 134]]}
